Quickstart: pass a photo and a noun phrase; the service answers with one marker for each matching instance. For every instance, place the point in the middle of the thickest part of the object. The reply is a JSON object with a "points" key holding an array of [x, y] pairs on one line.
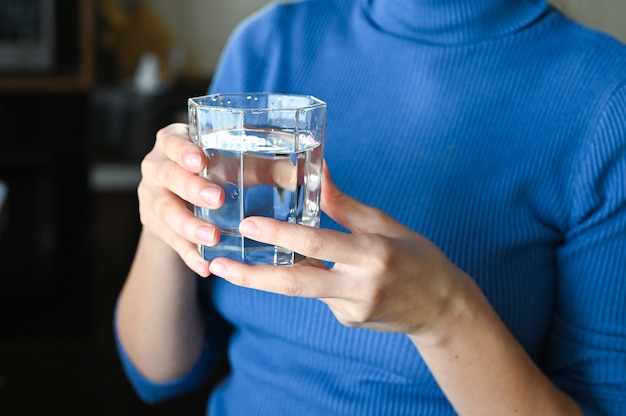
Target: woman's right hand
{"points": [[170, 185]]}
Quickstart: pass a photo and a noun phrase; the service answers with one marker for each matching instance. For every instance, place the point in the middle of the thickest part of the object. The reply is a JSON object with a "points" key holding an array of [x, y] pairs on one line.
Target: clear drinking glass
{"points": [[266, 151]]}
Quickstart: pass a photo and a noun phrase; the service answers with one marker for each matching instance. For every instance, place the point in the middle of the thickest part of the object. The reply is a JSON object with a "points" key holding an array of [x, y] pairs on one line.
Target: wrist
{"points": [[459, 309]]}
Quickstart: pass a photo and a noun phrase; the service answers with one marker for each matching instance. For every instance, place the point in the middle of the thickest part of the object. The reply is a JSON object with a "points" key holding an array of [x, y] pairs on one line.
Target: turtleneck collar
{"points": [[453, 21]]}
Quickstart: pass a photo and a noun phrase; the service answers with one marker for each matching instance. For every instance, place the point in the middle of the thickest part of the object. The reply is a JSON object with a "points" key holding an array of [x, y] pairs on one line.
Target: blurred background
{"points": [[84, 86]]}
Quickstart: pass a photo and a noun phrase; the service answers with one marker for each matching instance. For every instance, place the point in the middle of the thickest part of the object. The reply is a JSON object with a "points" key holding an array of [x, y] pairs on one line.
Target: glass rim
{"points": [[313, 103]]}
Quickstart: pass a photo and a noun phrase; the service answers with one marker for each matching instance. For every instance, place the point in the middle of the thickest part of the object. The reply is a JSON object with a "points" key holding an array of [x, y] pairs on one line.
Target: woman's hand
{"points": [[388, 278], [385, 277], [170, 182]]}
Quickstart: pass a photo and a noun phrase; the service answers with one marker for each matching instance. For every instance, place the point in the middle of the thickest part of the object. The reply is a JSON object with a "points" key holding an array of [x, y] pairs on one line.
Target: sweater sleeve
{"points": [[217, 330], [154, 392], [586, 354]]}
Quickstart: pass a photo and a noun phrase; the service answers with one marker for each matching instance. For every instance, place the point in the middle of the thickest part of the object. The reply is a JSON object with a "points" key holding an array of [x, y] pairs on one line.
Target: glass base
{"points": [[258, 254]]}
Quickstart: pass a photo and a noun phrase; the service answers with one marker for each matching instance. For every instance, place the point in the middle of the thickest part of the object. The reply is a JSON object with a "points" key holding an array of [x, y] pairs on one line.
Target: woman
{"points": [[478, 252]]}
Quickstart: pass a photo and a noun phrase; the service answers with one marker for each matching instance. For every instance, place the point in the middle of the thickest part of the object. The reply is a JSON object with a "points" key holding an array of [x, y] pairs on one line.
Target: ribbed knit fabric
{"points": [[497, 129]]}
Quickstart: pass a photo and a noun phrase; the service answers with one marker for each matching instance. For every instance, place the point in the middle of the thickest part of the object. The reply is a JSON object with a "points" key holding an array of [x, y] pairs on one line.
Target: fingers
{"points": [[256, 170], [308, 279], [185, 249], [175, 143], [187, 185], [369, 223], [168, 217], [285, 174], [175, 163], [323, 244], [169, 182], [174, 213]]}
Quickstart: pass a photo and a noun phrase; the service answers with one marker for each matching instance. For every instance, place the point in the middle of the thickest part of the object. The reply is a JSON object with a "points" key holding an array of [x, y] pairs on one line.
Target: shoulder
{"points": [[590, 52], [583, 70], [271, 38]]}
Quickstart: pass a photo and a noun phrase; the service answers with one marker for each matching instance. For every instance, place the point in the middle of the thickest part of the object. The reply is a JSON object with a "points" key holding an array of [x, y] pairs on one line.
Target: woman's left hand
{"points": [[385, 276]]}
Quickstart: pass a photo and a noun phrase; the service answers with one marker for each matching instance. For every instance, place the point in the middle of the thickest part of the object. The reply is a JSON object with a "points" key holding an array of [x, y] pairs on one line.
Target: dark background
{"points": [[67, 233]]}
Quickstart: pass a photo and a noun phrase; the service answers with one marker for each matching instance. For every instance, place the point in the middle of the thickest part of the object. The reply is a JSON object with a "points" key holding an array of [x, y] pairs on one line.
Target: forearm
{"points": [[483, 370], [158, 317]]}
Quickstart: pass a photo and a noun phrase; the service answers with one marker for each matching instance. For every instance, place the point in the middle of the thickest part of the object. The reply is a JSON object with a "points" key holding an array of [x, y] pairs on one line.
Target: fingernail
{"points": [[218, 269], [248, 228], [210, 195], [206, 234], [193, 160], [200, 268]]}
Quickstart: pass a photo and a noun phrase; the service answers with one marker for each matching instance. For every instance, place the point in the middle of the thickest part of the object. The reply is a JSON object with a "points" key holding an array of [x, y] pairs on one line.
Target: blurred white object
{"points": [[114, 177], [147, 78]]}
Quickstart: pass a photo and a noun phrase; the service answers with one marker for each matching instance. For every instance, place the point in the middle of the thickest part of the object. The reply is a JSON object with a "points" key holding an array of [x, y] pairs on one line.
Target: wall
{"points": [[204, 25], [606, 15]]}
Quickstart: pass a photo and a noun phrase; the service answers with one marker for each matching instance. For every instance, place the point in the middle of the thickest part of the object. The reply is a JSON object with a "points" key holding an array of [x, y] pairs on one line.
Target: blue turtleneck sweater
{"points": [[495, 128]]}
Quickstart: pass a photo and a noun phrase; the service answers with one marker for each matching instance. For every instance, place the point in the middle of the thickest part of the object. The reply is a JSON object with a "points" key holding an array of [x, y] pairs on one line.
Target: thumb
{"points": [[352, 214]]}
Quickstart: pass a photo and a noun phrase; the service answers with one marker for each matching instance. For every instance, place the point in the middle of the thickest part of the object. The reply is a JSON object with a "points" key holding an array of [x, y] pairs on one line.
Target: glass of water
{"points": [[266, 151]]}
